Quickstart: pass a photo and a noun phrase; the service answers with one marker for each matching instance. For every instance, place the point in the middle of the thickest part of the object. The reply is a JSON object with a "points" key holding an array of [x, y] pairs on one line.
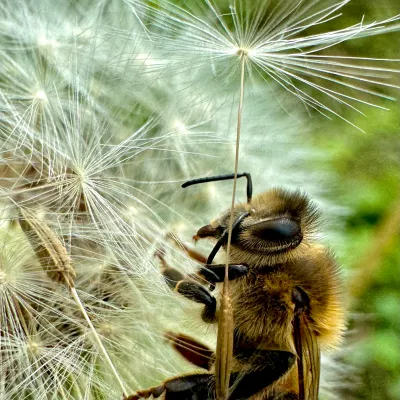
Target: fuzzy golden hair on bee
{"points": [[321, 278], [285, 294], [280, 226], [266, 294]]}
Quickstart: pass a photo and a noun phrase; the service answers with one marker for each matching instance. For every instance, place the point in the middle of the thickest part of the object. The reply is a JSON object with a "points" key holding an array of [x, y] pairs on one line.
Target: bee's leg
{"points": [[188, 387], [192, 290], [285, 396], [192, 350], [264, 367], [212, 273], [155, 391], [191, 387], [215, 273], [193, 254], [261, 369], [171, 275]]}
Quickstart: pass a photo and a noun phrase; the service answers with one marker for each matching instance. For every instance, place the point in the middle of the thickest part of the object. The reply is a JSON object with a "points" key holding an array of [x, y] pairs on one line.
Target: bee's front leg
{"points": [[192, 289], [195, 291], [187, 387], [215, 273]]}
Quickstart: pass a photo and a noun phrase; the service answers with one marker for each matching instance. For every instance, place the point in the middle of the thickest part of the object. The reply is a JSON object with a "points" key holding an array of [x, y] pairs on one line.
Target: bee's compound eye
{"points": [[277, 230]]}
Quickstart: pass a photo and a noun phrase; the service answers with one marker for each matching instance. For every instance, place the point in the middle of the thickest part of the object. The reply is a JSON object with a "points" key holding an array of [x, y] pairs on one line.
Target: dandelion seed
{"points": [[180, 127], [33, 356], [40, 95], [52, 253], [277, 47], [105, 109]]}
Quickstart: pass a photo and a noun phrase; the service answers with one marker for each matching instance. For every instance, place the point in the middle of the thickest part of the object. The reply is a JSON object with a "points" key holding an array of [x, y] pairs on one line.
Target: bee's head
{"points": [[272, 225]]}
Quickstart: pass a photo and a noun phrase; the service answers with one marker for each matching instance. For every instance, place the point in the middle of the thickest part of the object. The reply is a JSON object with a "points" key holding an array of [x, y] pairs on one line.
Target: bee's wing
{"points": [[308, 361]]}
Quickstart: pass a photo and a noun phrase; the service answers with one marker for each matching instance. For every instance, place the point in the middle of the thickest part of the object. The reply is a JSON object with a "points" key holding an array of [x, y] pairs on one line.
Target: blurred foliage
{"points": [[368, 169]]}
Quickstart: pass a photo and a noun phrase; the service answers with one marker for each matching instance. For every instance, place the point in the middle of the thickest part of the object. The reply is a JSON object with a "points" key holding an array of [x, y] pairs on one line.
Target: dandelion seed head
{"points": [[240, 51], [3, 277], [212, 190], [33, 347], [106, 329], [47, 45], [81, 175], [41, 96], [106, 117], [278, 48], [180, 126]]}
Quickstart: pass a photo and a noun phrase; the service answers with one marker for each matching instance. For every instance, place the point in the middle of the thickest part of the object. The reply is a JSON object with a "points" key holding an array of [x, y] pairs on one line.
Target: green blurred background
{"points": [[368, 168]]}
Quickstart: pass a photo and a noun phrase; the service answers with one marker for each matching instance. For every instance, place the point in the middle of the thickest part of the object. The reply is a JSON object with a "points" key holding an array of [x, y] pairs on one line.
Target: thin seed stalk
{"points": [[21, 317], [56, 261], [98, 341], [224, 352]]}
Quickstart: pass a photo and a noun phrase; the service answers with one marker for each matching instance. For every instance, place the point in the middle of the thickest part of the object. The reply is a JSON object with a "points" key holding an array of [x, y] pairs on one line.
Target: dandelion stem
{"points": [[98, 340], [225, 322]]}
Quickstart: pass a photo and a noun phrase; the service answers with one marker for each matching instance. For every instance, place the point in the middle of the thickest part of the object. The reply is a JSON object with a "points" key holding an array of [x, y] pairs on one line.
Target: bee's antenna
{"points": [[224, 237], [249, 189]]}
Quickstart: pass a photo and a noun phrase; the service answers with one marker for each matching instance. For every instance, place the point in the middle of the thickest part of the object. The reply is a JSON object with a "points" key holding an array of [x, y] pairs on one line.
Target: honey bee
{"points": [[286, 294]]}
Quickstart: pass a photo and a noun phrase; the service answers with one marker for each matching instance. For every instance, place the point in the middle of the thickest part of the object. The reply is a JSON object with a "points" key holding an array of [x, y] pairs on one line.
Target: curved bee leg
{"points": [[172, 276], [155, 391], [285, 396], [191, 289], [193, 254], [187, 387], [212, 273], [192, 350], [194, 291], [263, 367], [215, 273]]}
